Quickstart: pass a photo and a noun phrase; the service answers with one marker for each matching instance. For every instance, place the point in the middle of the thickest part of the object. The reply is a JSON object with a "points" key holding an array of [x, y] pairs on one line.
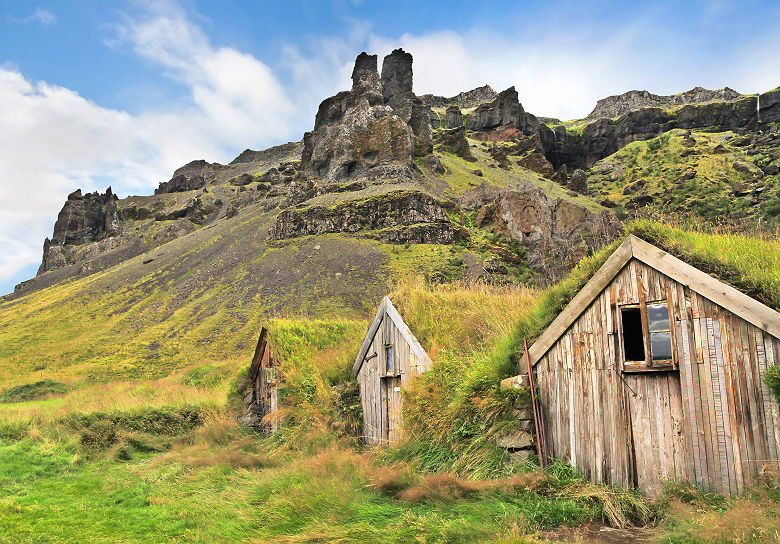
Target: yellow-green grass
{"points": [[460, 175], [662, 166], [162, 460]]}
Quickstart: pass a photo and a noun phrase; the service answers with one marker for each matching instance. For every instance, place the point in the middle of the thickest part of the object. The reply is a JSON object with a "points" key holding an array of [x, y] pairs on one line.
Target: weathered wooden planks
{"points": [[712, 421]]}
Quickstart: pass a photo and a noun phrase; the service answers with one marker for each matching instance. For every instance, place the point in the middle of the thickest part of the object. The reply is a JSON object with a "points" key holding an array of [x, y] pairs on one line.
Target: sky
{"points": [[96, 94]]}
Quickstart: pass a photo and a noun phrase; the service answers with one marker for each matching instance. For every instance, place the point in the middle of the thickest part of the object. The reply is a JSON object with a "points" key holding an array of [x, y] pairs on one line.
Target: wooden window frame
{"points": [[395, 369], [648, 365]]}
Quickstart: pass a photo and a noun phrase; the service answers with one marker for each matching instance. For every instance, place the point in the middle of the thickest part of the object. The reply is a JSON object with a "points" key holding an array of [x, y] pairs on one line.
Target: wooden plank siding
{"points": [[380, 389], [712, 421]]}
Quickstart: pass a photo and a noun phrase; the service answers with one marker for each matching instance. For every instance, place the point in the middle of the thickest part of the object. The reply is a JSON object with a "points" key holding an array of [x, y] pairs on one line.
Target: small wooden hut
{"points": [[264, 376], [389, 357], [654, 371]]}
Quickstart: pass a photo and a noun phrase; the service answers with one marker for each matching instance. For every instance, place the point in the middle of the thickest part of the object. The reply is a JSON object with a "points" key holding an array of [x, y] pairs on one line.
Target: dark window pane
{"points": [[389, 354], [661, 346], [658, 317], [633, 343]]}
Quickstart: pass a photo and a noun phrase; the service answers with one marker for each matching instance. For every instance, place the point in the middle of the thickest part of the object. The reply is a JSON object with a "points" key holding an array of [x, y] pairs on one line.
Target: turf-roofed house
{"points": [[654, 371], [260, 395], [389, 356]]}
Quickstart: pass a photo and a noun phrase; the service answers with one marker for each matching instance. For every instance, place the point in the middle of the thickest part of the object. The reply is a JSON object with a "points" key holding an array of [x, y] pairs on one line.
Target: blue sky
{"points": [[97, 93]]}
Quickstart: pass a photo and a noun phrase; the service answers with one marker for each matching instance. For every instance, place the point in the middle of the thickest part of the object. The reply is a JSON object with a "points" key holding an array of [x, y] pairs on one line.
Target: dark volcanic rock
{"points": [[272, 154], [615, 106], [453, 117], [396, 75], [603, 136], [556, 231], [505, 110], [467, 99], [356, 136], [579, 181], [396, 82], [385, 211], [454, 141], [193, 175], [83, 219]]}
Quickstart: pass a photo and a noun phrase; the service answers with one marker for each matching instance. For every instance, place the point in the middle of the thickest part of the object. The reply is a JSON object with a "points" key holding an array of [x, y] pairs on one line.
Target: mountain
{"points": [[511, 196]]}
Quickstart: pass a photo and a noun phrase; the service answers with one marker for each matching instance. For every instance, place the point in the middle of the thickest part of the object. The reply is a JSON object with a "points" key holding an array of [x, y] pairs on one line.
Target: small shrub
{"points": [[32, 391], [772, 379]]}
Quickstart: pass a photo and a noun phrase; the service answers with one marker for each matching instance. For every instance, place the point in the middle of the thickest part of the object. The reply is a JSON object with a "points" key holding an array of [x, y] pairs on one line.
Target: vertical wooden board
{"points": [[773, 409], [684, 463], [708, 404], [692, 416], [702, 395], [767, 419], [721, 407], [724, 358], [732, 388], [753, 375], [749, 458], [572, 408]]}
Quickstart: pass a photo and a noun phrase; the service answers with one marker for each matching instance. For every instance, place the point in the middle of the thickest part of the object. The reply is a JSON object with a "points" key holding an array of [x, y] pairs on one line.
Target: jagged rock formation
{"points": [[83, 219], [378, 164], [454, 141], [193, 175], [617, 105], [603, 137], [467, 99], [396, 82], [356, 136], [504, 111], [397, 217], [556, 231]]}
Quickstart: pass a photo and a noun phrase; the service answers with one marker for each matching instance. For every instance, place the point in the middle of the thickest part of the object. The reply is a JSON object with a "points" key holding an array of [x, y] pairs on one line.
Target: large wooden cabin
{"points": [[389, 357], [654, 371]]}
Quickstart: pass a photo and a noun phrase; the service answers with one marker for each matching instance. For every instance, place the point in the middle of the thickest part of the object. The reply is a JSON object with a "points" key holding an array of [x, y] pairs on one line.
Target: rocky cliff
{"points": [[383, 164], [615, 106]]}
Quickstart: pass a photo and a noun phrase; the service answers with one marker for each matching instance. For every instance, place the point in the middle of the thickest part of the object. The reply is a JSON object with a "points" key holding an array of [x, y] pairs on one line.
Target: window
{"points": [[390, 366], [633, 339], [660, 332], [647, 337]]}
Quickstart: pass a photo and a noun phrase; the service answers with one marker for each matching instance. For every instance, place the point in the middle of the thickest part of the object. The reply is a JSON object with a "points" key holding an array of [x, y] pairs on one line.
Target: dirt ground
{"points": [[596, 533]]}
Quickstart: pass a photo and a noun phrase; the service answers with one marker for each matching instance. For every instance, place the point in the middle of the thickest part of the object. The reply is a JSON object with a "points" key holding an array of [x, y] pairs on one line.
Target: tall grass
{"points": [[751, 263], [453, 412]]}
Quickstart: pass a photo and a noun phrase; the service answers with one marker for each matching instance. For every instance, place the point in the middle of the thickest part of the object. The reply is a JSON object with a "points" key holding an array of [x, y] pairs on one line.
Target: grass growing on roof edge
{"points": [[750, 264]]}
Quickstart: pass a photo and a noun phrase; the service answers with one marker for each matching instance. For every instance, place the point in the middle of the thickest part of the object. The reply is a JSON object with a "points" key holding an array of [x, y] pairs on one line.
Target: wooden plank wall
{"points": [[382, 409], [713, 422]]}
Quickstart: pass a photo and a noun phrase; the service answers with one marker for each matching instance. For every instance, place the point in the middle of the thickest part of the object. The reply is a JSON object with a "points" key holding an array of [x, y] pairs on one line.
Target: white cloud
{"points": [[54, 140], [39, 15]]}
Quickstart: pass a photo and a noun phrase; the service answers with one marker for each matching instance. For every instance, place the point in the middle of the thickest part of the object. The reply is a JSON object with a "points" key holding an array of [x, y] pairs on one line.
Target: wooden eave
{"points": [[259, 351], [728, 297], [386, 308]]}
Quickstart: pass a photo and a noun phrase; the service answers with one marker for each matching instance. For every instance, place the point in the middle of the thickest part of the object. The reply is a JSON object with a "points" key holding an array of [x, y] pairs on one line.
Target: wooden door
{"points": [[390, 398], [657, 429]]}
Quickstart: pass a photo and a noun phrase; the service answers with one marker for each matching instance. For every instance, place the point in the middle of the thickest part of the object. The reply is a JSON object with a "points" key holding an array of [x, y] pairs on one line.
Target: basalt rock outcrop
{"points": [[396, 83], [83, 219], [467, 99], [604, 136], [356, 135], [454, 140], [617, 105], [503, 111], [397, 216], [556, 231], [193, 175]]}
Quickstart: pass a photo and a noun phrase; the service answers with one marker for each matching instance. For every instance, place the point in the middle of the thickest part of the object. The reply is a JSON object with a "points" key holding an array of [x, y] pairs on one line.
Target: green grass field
{"points": [[121, 426]]}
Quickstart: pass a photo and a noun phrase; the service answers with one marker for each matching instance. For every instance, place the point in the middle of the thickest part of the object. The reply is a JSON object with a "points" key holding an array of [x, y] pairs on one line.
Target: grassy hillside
{"points": [[705, 176], [103, 443]]}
